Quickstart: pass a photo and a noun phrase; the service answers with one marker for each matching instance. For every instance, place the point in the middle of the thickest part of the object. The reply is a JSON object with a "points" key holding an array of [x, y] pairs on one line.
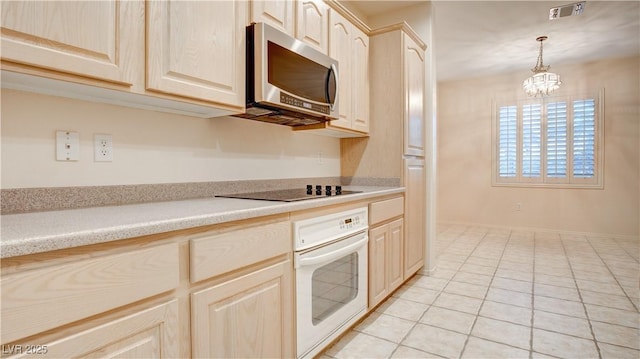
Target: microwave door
{"points": [[289, 74]]}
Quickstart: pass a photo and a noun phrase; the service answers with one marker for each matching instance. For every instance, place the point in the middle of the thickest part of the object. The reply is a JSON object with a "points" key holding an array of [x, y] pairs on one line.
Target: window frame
{"points": [[544, 181]]}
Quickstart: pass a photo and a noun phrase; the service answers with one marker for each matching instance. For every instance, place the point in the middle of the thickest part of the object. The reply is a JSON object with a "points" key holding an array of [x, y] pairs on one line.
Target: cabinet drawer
{"points": [[383, 210], [218, 253], [42, 299]]}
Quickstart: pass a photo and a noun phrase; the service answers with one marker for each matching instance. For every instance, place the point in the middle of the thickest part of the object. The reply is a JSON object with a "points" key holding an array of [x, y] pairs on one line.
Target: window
{"points": [[549, 142]]}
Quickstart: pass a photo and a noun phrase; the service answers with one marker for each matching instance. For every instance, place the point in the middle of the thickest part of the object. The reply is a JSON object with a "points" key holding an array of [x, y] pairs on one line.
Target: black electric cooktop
{"points": [[294, 194]]}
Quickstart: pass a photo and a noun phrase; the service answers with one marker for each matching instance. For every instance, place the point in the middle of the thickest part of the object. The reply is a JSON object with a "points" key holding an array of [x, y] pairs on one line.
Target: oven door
{"points": [[331, 291]]}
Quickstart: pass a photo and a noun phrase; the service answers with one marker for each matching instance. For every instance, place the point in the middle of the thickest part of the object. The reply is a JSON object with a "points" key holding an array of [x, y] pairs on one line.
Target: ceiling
{"points": [[479, 38]]}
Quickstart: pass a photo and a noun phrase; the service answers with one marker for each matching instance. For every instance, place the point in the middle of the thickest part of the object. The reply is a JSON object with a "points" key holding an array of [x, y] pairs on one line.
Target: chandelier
{"points": [[542, 82]]}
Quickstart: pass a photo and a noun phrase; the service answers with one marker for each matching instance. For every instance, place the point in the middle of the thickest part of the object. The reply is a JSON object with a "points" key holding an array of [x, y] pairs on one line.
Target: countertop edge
{"points": [[14, 244]]}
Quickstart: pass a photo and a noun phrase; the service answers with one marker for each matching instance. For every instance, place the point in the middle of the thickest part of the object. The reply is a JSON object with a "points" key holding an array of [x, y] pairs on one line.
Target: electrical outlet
{"points": [[319, 157], [518, 207], [103, 148], [67, 146]]}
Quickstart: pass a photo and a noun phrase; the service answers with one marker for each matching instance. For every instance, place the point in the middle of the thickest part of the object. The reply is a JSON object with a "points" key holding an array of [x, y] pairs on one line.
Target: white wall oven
{"points": [[331, 277]]}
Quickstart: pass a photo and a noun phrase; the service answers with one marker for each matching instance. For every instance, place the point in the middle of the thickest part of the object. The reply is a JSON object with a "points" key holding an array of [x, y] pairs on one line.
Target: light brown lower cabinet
{"points": [[385, 260], [246, 317], [386, 248], [149, 333], [223, 291], [415, 215]]}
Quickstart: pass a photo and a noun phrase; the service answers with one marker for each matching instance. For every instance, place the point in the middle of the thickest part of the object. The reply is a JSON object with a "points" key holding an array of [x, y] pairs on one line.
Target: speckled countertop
{"points": [[38, 232]]}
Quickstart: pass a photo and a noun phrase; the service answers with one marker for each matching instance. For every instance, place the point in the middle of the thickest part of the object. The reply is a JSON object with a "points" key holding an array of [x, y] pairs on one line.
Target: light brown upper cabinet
{"points": [[96, 39], [414, 97], [360, 89], [312, 24], [350, 47], [184, 57], [197, 49], [277, 13], [397, 85]]}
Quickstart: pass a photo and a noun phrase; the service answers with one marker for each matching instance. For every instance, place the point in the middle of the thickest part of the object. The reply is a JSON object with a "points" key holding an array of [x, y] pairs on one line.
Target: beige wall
{"points": [[465, 193], [149, 146]]}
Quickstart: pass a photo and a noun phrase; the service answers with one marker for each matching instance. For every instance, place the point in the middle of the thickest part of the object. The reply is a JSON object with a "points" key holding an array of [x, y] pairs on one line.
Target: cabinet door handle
{"points": [[333, 72]]}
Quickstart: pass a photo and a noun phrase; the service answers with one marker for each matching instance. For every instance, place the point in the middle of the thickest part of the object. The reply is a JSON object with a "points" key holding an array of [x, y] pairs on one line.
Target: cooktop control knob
{"points": [[338, 190], [328, 190], [318, 190], [309, 189]]}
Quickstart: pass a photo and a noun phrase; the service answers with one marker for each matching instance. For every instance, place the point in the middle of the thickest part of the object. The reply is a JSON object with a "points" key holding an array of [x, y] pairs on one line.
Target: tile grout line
{"points": [[437, 296], [565, 248], [584, 307], [475, 320], [612, 274], [397, 345], [425, 311], [623, 248]]}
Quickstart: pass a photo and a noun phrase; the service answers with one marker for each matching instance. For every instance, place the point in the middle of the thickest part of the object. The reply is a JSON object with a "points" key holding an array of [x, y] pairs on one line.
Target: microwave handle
{"points": [[331, 256], [335, 72]]}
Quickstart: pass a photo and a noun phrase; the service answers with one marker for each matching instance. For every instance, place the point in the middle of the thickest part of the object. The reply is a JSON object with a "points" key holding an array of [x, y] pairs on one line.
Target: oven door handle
{"points": [[331, 256]]}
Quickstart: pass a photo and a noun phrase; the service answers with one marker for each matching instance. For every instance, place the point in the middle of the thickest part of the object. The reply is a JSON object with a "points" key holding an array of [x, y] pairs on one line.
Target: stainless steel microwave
{"points": [[287, 81]]}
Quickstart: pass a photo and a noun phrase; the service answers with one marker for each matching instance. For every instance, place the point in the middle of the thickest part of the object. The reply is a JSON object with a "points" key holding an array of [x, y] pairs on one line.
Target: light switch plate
{"points": [[67, 146]]}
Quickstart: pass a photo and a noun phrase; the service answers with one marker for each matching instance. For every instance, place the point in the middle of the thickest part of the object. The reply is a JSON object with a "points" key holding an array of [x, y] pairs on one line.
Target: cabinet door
{"points": [[394, 269], [97, 39], [150, 333], [312, 24], [246, 317], [414, 98], [340, 48], [415, 194], [378, 241], [277, 13], [360, 84], [196, 49]]}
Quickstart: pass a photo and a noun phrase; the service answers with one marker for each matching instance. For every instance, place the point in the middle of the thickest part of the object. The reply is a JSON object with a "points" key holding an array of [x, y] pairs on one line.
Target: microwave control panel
{"points": [[293, 101]]}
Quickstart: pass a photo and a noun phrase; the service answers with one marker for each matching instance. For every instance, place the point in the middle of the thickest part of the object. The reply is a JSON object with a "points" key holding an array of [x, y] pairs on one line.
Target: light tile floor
{"points": [[510, 294]]}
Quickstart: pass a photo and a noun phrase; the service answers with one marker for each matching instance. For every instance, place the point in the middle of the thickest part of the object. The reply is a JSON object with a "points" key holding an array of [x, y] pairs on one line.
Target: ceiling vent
{"points": [[566, 10]]}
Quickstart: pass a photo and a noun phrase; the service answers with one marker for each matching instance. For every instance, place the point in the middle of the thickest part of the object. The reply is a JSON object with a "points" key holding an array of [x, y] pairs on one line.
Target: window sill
{"points": [[550, 185]]}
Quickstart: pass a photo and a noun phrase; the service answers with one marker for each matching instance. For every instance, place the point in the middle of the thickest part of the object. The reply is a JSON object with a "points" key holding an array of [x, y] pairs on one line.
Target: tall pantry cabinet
{"points": [[396, 145]]}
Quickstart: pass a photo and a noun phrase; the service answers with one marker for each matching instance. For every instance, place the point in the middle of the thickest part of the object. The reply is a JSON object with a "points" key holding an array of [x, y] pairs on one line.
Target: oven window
{"points": [[333, 286]]}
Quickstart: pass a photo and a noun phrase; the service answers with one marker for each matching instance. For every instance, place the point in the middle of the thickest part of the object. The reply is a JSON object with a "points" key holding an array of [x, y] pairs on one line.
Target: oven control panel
{"points": [[316, 231], [348, 223]]}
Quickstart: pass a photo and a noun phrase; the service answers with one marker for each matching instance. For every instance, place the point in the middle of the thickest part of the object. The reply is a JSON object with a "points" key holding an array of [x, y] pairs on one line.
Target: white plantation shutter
{"points": [[553, 141], [584, 138], [531, 143], [507, 140], [557, 140]]}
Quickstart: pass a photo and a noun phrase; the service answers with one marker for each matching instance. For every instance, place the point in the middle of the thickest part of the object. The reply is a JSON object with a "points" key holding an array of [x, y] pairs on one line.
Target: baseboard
{"points": [[539, 229]]}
